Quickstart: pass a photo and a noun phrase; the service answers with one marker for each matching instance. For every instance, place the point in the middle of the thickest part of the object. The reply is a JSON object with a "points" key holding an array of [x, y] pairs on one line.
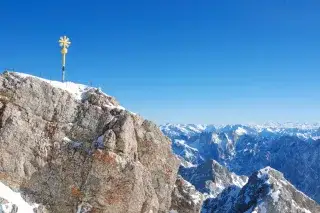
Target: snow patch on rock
{"points": [[240, 131], [14, 198]]}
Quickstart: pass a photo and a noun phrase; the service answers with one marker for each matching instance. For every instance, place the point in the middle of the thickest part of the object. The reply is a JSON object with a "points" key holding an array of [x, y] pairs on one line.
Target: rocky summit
{"points": [[69, 148]]}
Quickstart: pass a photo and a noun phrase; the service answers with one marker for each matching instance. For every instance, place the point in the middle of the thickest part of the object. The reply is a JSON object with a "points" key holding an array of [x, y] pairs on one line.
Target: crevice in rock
{"points": [[2, 109]]}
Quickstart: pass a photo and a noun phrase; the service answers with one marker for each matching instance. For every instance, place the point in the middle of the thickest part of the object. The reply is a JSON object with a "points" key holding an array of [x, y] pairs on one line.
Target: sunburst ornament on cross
{"points": [[64, 42]]}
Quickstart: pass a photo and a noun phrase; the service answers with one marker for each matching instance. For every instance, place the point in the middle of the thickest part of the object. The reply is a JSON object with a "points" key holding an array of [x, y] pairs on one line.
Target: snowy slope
{"points": [[182, 129]]}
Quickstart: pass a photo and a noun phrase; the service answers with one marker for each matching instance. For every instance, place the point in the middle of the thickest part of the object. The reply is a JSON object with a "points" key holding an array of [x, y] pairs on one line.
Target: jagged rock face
{"points": [[185, 198], [266, 191], [81, 155], [211, 178]]}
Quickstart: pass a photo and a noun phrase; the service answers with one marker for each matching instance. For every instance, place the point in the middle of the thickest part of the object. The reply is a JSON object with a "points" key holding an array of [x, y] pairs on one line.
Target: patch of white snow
{"points": [[241, 131], [275, 196], [15, 198]]}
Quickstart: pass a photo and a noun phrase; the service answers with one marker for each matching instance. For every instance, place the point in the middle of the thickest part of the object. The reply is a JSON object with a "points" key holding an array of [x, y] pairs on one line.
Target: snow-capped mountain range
{"points": [[291, 148], [304, 131]]}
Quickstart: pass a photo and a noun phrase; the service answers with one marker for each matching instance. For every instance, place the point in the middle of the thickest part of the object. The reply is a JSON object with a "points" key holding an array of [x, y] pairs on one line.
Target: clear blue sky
{"points": [[177, 61]]}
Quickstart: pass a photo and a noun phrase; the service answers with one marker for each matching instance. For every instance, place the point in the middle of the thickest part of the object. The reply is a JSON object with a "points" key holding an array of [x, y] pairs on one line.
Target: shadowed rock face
{"points": [[81, 155]]}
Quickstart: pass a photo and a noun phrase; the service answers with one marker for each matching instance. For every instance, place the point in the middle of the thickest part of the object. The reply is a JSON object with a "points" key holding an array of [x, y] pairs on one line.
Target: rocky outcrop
{"points": [[266, 191], [185, 198], [71, 148]]}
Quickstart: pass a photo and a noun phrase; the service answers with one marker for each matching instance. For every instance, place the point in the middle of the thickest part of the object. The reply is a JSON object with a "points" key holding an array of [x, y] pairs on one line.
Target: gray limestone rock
{"points": [[109, 139]]}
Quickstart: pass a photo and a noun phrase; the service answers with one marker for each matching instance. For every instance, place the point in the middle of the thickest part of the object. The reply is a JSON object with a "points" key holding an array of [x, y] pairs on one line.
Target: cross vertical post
{"points": [[64, 44]]}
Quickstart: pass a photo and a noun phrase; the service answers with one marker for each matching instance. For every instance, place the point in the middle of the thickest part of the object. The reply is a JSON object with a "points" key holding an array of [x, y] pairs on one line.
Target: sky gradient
{"points": [[177, 61]]}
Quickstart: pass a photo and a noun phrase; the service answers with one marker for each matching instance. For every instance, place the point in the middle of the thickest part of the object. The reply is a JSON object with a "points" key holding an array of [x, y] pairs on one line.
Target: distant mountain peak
{"points": [[266, 191], [211, 177]]}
